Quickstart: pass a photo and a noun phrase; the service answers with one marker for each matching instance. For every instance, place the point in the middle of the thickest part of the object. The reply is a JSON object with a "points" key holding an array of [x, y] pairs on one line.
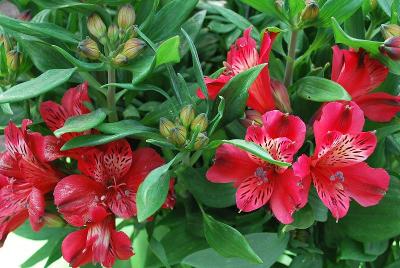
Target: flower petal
{"points": [[122, 201], [15, 140], [74, 248], [338, 150], [76, 197], [121, 244], [364, 184], [214, 86], [46, 148], [287, 196], [230, 165], [253, 193], [91, 164], [74, 99], [36, 209], [380, 106], [42, 176], [53, 114], [117, 159]]}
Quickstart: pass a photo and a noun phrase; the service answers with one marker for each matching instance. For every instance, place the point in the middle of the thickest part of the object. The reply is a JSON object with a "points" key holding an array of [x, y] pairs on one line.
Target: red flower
{"points": [[24, 180], [359, 75], [243, 55], [260, 182], [337, 168], [110, 180], [55, 115], [98, 242]]}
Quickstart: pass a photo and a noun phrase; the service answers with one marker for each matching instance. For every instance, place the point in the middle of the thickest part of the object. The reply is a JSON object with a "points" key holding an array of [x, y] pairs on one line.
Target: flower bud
{"points": [[178, 135], [252, 118], [165, 127], [390, 30], [96, 26], [126, 17], [310, 12], [52, 220], [120, 59], [13, 59], [281, 96], [132, 48], [200, 123], [89, 48], [112, 33], [201, 141], [187, 115], [391, 48]]}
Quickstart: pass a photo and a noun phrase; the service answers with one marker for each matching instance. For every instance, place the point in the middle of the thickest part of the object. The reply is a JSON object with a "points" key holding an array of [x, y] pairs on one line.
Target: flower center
{"points": [[261, 174], [337, 176]]}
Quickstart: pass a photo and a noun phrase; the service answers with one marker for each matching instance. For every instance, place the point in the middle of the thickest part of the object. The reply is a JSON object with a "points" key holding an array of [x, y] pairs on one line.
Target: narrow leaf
{"points": [[168, 51], [81, 65]]}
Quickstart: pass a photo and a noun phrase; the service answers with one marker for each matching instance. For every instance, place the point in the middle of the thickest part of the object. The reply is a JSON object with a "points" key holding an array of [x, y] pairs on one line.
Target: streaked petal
{"points": [[74, 99], [253, 193], [36, 209], [46, 148], [74, 248], [380, 106], [117, 159]]}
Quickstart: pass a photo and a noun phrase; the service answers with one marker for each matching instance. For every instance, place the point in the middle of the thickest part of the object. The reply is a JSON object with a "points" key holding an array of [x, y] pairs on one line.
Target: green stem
{"points": [[113, 116], [290, 59], [370, 31], [28, 114]]}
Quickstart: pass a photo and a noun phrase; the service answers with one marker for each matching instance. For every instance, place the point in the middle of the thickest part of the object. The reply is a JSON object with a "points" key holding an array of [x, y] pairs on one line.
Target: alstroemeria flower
{"points": [[257, 181], [242, 56], [55, 115], [24, 180], [110, 180], [98, 242], [337, 167], [359, 75]]}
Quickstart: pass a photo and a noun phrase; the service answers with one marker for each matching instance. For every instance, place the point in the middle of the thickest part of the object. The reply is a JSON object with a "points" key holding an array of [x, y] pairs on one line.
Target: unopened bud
{"points": [[13, 59], [52, 220], [89, 48], [96, 26], [178, 135], [4, 41], [120, 59], [132, 48], [201, 141], [390, 30], [391, 48], [187, 115], [200, 123], [310, 12], [126, 17], [112, 33], [165, 127], [252, 118], [281, 96]]}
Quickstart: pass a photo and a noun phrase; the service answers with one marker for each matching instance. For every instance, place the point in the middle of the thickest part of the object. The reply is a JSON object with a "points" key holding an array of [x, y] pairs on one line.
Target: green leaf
{"points": [[158, 249], [235, 93], [192, 26], [168, 51], [303, 219], [153, 191], [228, 241], [252, 148], [269, 246], [91, 140], [268, 7], [37, 86], [46, 233], [81, 65], [208, 193], [168, 20], [55, 253], [320, 89], [38, 29], [353, 250], [140, 67], [6, 107], [81, 123], [141, 87], [220, 113], [340, 9], [375, 223], [39, 255]]}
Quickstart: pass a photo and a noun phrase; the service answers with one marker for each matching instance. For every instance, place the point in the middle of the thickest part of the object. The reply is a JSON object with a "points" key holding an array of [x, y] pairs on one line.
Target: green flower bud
{"points": [[201, 141], [165, 127], [89, 48], [310, 12], [178, 135], [390, 30], [112, 33], [13, 59], [120, 59], [53, 221], [96, 26], [132, 48], [187, 115], [126, 17], [200, 123]]}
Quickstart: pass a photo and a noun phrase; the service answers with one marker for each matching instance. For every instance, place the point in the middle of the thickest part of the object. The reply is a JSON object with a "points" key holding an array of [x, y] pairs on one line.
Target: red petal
{"points": [[287, 196], [121, 244], [46, 148], [364, 184], [301, 168], [338, 150], [36, 209], [338, 116], [74, 248], [337, 62], [260, 93], [253, 193], [74, 99], [76, 197], [42, 176], [230, 165], [380, 106], [122, 201], [15, 140], [277, 124], [91, 164], [117, 159], [9, 165], [53, 114], [214, 86], [266, 45], [10, 223]]}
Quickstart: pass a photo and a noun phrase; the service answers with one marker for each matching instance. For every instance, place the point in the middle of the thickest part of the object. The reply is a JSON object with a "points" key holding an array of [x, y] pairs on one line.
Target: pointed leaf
{"points": [[168, 51]]}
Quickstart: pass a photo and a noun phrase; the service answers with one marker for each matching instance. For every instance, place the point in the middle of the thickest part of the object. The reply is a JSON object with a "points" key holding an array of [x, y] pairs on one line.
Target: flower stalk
{"points": [[111, 102], [290, 59]]}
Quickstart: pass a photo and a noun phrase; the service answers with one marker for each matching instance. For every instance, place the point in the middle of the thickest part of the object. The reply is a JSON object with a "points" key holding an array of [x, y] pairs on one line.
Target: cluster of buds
{"points": [[118, 38], [188, 127], [311, 11]]}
